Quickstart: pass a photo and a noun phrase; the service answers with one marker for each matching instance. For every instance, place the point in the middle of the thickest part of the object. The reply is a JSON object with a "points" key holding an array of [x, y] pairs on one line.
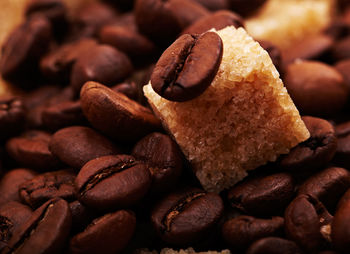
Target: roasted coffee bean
{"points": [[341, 49], [10, 183], [273, 245], [62, 115], [39, 96], [338, 29], [81, 216], [341, 225], [187, 67], [45, 231], [214, 5], [129, 89], [343, 67], [163, 158], [316, 88], [43, 187], [103, 64], [24, 46], [184, 217], [108, 234], [308, 223], [246, 7], [265, 195], [116, 115], [111, 182], [274, 53], [12, 116], [217, 20], [242, 231], [327, 186], [31, 149], [316, 151], [342, 155], [77, 145]]}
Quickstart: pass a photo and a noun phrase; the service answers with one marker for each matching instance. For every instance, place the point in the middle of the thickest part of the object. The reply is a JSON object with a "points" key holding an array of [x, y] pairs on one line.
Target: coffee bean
{"points": [[77, 145], [217, 20], [108, 234], [187, 67], [273, 245], [24, 46], [214, 5], [265, 195], [44, 232], [129, 89], [327, 186], [116, 115], [124, 179], [12, 116], [316, 88], [31, 149], [274, 53], [246, 7], [10, 183], [103, 64], [343, 67], [341, 157], [43, 187], [242, 231], [308, 223], [316, 151], [340, 226], [163, 158], [184, 217], [341, 49], [81, 216]]}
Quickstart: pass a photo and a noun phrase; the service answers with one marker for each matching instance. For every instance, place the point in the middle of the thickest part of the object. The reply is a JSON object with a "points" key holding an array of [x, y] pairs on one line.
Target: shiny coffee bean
{"points": [[242, 231], [108, 234], [273, 245], [327, 186], [316, 88], [187, 67], [31, 149], [24, 46], [246, 7], [214, 5], [184, 217], [342, 155], [77, 145], [266, 195], [217, 20], [162, 157], [103, 64], [81, 216], [341, 49], [274, 53], [45, 231], [116, 115], [308, 223], [341, 225], [316, 151], [41, 188], [111, 182], [12, 116]]}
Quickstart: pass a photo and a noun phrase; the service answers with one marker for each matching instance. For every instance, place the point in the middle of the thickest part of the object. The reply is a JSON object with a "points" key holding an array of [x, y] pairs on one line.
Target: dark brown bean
{"points": [[187, 67], [246, 7], [273, 245], [343, 67], [111, 182], [341, 49], [12, 116], [129, 89], [214, 5], [341, 225], [342, 154], [81, 216]]}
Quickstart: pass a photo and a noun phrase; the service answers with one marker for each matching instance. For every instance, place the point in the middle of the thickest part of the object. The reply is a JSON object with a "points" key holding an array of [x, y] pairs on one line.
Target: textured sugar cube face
{"points": [[243, 120], [285, 22]]}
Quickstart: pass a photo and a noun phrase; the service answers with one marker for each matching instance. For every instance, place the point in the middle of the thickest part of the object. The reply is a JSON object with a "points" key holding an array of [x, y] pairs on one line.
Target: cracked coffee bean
{"points": [[162, 157], [57, 184], [273, 245], [266, 195], [108, 234], [33, 237], [184, 217], [315, 152], [187, 67], [111, 182], [12, 116], [242, 231]]}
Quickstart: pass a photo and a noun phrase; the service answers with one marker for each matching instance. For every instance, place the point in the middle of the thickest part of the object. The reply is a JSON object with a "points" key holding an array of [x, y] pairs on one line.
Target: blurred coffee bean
{"points": [[264, 195], [111, 182], [273, 245], [274, 53], [39, 95], [316, 151], [246, 7], [116, 115], [127, 20], [341, 49], [44, 232], [103, 64], [316, 88], [24, 46], [338, 29], [342, 155], [341, 226], [242, 231], [327, 186], [77, 145], [127, 88], [184, 217], [214, 5], [344, 199], [162, 157], [12, 116], [81, 216], [108, 234], [41, 188], [31, 149], [343, 67], [217, 20], [308, 223], [10, 182]]}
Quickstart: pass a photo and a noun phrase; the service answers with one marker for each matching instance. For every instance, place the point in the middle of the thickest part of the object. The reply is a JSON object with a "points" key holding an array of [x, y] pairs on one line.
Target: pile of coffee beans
{"points": [[86, 167]]}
